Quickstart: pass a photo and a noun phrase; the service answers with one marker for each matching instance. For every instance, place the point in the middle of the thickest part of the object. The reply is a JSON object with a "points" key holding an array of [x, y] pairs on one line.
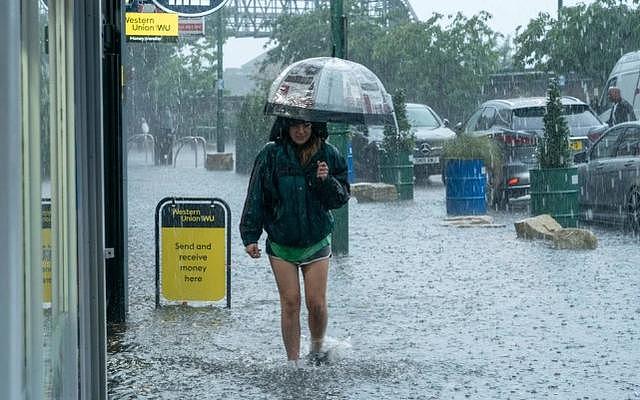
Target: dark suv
{"points": [[516, 125]]}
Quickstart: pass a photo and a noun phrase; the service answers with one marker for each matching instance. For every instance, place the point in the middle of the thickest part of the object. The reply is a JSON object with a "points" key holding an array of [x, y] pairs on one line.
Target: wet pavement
{"points": [[417, 310]]}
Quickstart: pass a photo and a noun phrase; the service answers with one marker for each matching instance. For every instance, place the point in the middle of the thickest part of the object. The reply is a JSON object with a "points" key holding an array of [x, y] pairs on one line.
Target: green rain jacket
{"points": [[288, 201]]}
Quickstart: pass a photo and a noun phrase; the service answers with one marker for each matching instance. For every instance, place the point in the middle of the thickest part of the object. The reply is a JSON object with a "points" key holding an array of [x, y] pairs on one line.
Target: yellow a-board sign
{"points": [[151, 26], [192, 250], [46, 251]]}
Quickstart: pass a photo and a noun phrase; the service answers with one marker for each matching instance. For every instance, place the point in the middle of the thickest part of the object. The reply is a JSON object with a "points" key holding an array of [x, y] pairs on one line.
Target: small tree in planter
{"points": [[400, 140], [554, 186], [397, 145], [553, 148]]}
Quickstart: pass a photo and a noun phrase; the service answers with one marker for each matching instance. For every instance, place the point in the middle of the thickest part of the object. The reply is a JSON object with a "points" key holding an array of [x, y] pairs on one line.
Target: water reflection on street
{"points": [[417, 310]]}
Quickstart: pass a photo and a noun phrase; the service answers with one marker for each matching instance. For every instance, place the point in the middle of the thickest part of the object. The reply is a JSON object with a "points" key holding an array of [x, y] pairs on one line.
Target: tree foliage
{"points": [[553, 148], [253, 130], [586, 39], [443, 62], [300, 36], [181, 76], [444, 67]]}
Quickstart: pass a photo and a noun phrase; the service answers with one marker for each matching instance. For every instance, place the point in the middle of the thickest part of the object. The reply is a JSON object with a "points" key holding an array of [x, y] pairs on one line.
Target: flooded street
{"points": [[417, 310]]}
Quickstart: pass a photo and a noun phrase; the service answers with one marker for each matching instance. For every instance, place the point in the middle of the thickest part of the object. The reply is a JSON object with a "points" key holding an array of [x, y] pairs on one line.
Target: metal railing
{"points": [[193, 140], [144, 139]]}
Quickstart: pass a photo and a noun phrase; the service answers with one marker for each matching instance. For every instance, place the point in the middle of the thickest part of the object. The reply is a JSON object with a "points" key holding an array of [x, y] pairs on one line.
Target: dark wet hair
{"points": [[280, 129]]}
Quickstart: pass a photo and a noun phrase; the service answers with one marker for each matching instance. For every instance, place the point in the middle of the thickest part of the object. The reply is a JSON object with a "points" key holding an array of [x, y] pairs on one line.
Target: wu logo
{"points": [[189, 2]]}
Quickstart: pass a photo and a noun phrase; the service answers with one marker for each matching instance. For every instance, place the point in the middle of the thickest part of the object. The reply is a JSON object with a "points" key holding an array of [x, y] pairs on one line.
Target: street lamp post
{"points": [[339, 132], [559, 8], [220, 134]]}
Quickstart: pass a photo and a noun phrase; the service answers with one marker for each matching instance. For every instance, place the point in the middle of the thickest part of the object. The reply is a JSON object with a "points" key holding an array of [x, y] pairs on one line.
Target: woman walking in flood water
{"points": [[296, 179]]}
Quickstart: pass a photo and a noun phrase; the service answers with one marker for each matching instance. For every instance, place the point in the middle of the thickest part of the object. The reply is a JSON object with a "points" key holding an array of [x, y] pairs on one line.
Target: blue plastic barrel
{"points": [[465, 187]]}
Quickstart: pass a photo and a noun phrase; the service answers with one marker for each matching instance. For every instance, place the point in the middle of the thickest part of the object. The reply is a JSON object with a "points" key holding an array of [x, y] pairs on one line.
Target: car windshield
{"points": [[531, 118], [579, 115], [528, 119], [422, 117]]}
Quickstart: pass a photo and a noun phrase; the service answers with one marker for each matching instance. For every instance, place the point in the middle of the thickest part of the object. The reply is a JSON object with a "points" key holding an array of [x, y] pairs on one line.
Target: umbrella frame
{"points": [[327, 116]]}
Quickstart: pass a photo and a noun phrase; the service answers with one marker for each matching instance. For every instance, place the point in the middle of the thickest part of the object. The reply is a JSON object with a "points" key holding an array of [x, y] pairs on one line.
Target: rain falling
{"points": [[423, 304]]}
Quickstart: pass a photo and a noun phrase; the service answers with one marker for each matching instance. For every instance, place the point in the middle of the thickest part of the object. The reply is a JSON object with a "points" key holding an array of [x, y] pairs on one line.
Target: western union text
{"points": [[151, 24]]}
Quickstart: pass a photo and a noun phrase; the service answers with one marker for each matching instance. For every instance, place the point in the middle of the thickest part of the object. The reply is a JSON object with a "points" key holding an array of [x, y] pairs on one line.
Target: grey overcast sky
{"points": [[507, 15]]}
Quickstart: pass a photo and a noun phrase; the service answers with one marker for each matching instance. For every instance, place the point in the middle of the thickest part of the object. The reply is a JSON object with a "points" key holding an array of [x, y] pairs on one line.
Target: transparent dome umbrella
{"points": [[327, 89]]}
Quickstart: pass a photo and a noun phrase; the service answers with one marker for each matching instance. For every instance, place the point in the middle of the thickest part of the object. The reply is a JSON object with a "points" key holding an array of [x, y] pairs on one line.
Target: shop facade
{"points": [[52, 287]]}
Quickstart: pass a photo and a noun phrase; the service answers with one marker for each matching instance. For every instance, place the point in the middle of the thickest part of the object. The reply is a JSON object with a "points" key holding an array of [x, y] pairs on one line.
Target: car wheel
{"points": [[633, 211]]}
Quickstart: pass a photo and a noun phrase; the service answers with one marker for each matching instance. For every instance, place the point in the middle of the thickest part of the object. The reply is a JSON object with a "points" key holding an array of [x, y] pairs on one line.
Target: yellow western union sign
{"points": [[151, 24], [193, 248], [46, 251]]}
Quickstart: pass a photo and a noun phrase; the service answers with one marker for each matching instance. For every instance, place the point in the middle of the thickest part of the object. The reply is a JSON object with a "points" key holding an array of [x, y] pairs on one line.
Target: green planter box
{"points": [[555, 191], [397, 170]]}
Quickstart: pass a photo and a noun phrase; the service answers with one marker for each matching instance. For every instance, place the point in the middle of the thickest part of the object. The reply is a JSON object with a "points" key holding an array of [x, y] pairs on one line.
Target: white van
{"points": [[625, 75]]}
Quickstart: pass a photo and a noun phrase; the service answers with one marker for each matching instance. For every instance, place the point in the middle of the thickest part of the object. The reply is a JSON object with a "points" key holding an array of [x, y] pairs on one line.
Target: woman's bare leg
{"points": [[288, 282], [315, 293]]}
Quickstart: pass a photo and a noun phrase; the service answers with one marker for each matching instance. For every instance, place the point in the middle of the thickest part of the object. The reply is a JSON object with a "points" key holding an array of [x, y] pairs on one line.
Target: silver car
{"points": [[609, 178], [431, 133]]}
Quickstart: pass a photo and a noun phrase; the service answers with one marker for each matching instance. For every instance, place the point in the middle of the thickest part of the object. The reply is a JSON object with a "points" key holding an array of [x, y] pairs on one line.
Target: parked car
{"points": [[430, 131], [609, 178], [516, 124]]}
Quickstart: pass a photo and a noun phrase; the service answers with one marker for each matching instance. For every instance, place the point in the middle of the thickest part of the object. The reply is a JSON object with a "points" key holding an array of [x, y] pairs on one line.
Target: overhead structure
{"points": [[255, 18]]}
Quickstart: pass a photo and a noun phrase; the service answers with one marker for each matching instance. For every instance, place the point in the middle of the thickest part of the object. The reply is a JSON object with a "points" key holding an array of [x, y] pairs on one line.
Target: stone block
{"points": [[575, 239], [472, 221], [219, 161], [538, 227], [374, 192]]}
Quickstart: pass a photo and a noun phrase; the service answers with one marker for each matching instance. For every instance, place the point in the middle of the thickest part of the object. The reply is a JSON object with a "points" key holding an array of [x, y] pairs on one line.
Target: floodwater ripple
{"points": [[427, 311]]}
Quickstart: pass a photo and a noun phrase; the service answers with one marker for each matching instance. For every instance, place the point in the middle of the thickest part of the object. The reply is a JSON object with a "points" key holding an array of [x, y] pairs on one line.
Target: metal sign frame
{"points": [[186, 201], [177, 8]]}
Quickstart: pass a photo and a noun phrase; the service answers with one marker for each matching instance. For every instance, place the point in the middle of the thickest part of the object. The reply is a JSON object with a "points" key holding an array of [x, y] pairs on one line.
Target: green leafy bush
{"points": [[467, 147]]}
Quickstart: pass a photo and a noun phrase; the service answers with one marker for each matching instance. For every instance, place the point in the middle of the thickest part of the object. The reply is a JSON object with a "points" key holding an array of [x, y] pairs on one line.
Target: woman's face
{"points": [[300, 132]]}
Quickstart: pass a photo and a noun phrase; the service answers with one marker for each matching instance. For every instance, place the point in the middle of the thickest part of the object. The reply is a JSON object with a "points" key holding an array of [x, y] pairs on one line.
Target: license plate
{"points": [[575, 145], [426, 160]]}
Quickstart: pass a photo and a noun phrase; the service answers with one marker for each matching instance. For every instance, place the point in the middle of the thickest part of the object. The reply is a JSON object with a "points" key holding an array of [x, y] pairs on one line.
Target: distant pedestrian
{"points": [[144, 127], [622, 110], [165, 137], [295, 181]]}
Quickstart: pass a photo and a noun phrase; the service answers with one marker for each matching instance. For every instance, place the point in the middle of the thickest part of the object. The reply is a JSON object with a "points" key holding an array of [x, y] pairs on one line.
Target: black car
{"points": [[516, 125], [609, 178]]}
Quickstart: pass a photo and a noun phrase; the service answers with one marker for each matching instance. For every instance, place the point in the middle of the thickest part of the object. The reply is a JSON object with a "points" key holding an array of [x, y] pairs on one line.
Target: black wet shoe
{"points": [[318, 358]]}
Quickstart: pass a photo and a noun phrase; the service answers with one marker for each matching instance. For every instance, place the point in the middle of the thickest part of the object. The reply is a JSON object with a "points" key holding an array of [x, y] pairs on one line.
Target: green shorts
{"points": [[300, 256]]}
